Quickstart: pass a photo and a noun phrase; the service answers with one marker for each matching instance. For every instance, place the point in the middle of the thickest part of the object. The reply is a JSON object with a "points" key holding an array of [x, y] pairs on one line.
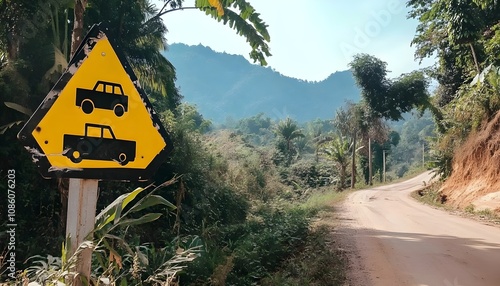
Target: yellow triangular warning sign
{"points": [[96, 122]]}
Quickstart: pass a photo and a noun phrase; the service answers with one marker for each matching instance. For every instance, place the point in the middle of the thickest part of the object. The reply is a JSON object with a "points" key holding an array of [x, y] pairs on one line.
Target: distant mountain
{"points": [[228, 86]]}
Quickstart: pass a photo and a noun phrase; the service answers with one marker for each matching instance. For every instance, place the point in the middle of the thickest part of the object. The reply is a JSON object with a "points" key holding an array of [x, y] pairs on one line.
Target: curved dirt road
{"points": [[394, 240]]}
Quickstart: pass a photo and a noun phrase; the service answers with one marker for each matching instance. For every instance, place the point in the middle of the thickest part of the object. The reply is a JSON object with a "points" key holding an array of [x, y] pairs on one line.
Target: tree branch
{"points": [[164, 6], [161, 12], [181, 8]]}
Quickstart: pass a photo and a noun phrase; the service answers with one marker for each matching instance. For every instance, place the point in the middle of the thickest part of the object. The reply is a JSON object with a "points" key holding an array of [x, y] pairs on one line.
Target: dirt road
{"points": [[394, 240]]}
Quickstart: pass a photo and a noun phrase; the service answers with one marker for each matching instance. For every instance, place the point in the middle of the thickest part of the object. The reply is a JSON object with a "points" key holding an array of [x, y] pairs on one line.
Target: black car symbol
{"points": [[86, 147], [104, 95]]}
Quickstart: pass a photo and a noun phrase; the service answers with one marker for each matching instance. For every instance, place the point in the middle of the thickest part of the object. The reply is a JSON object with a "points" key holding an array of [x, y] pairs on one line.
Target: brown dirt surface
{"points": [[476, 171], [391, 239]]}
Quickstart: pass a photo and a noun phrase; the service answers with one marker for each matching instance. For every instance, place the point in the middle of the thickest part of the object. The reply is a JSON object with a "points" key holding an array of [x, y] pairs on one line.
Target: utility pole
{"points": [[383, 151], [370, 161], [353, 164], [423, 155]]}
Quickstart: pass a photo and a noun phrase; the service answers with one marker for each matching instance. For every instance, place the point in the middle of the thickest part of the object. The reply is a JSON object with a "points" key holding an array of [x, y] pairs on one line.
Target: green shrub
{"points": [[470, 209], [259, 253], [212, 206], [244, 253], [308, 174]]}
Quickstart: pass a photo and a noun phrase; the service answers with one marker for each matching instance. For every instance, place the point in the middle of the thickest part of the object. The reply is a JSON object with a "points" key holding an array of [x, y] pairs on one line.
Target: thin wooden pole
{"points": [[353, 163], [423, 155], [384, 163], [82, 200], [370, 175]]}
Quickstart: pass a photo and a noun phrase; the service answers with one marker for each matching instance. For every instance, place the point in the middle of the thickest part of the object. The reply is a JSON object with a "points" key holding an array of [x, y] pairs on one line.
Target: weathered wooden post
{"points": [[82, 201]]}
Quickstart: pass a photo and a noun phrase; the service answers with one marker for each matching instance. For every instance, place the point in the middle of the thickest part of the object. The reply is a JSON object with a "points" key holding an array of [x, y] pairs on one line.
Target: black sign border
{"points": [[120, 174]]}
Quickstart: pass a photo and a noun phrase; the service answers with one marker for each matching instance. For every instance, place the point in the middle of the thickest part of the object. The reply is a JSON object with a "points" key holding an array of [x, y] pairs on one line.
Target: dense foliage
{"points": [[221, 212], [228, 214], [463, 35], [387, 98]]}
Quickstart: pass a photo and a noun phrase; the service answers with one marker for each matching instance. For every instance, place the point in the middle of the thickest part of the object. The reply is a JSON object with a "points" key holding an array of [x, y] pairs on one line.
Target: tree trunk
{"points": [[76, 38], [77, 34], [353, 165], [475, 58], [343, 172], [12, 46]]}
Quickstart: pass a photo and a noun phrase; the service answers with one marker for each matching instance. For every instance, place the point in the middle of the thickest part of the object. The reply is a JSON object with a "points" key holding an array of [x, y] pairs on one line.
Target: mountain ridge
{"points": [[225, 86]]}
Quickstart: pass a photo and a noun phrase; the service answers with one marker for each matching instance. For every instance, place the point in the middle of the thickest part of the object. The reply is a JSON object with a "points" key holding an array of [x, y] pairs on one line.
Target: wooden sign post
{"points": [[82, 200], [96, 123]]}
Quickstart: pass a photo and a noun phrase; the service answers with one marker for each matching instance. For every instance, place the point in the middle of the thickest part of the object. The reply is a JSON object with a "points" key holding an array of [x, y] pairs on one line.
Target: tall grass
{"points": [[323, 199]]}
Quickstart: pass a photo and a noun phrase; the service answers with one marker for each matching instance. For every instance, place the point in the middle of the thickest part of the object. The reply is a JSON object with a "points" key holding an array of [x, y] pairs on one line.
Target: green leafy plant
{"points": [[263, 245], [115, 259], [338, 150], [52, 270]]}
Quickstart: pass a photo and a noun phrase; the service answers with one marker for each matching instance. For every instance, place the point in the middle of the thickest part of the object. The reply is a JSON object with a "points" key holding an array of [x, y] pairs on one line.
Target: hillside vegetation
{"points": [[257, 155], [465, 38], [220, 211]]}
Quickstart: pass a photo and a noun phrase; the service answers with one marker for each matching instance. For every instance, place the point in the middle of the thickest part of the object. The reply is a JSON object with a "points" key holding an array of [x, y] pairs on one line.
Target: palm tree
{"points": [[288, 130], [141, 36], [358, 122], [347, 121], [338, 150]]}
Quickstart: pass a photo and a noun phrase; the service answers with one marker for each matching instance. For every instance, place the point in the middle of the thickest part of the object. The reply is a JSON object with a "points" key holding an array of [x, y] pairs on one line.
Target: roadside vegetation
{"points": [[464, 38], [222, 210], [236, 203], [432, 196], [238, 208]]}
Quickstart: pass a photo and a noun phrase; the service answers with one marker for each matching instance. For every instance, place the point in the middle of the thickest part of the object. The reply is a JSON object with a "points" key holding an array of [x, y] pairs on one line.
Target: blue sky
{"points": [[311, 39]]}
